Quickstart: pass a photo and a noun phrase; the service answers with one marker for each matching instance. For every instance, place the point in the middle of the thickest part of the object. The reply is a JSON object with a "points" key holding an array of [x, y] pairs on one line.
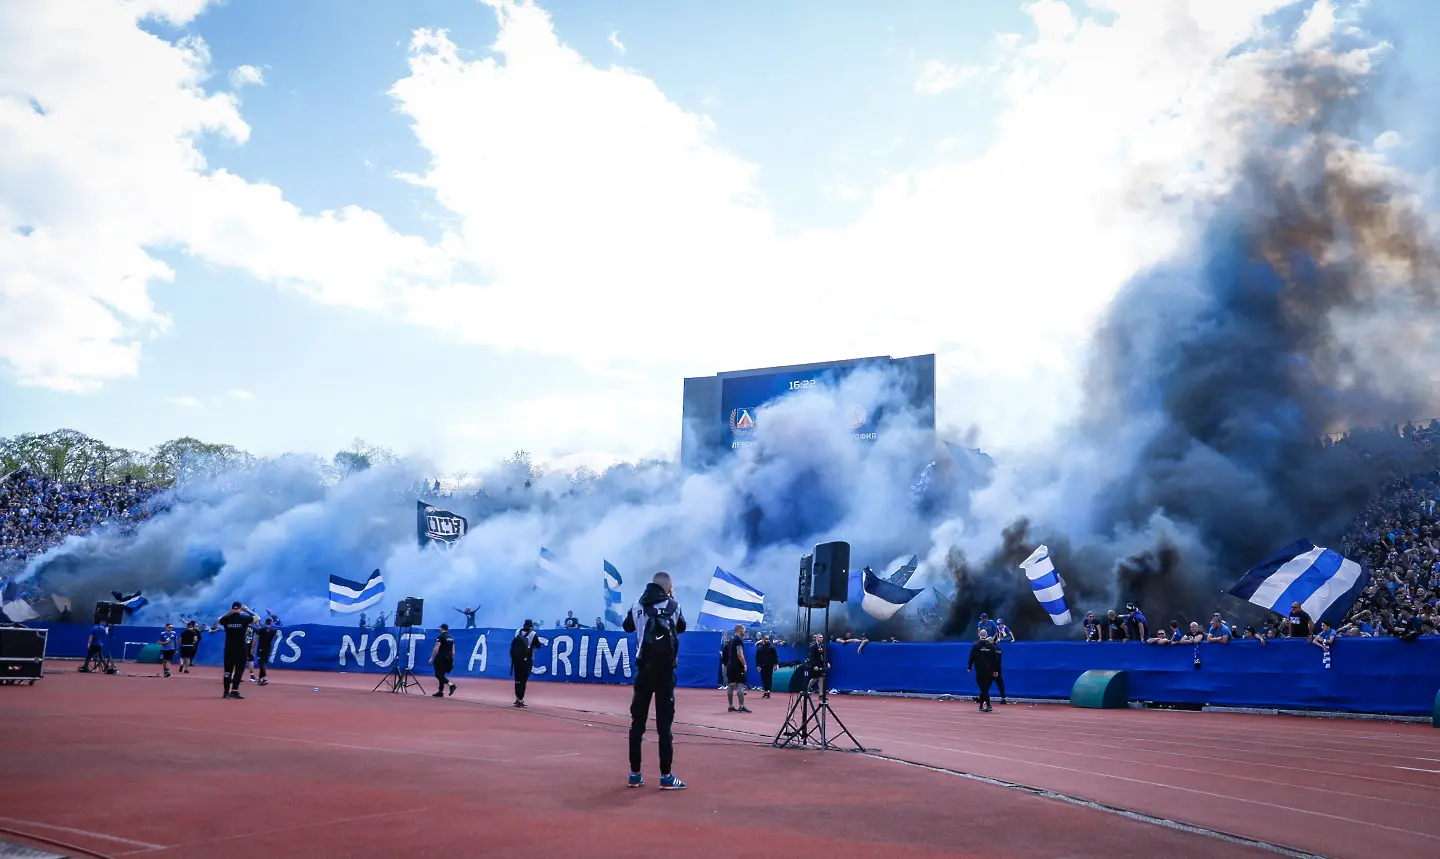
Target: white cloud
{"points": [[241, 394], [615, 41], [609, 224], [936, 77], [1387, 140], [613, 220], [98, 165], [243, 76], [187, 402]]}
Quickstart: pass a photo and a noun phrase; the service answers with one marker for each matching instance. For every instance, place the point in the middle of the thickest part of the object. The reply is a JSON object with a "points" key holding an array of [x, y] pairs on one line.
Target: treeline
{"points": [[72, 456]]}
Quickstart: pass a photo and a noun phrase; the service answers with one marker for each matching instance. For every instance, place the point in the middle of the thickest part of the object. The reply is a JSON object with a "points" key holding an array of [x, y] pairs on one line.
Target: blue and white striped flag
{"points": [[612, 595], [1324, 582], [731, 601], [348, 597], [548, 561], [882, 598], [1046, 584]]}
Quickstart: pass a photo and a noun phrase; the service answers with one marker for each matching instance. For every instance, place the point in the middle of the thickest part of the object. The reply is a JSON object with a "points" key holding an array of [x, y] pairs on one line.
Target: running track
{"points": [[142, 766]]}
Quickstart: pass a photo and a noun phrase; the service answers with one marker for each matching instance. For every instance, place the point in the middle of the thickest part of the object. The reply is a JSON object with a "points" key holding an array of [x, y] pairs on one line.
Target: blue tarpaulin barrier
{"points": [[1381, 675]]}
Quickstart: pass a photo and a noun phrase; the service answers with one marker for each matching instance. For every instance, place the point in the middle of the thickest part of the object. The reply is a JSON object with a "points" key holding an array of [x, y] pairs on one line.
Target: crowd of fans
{"points": [[37, 513]]}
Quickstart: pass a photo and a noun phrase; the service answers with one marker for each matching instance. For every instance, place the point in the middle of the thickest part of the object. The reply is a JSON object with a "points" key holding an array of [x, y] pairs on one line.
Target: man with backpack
{"points": [[657, 622], [522, 658]]}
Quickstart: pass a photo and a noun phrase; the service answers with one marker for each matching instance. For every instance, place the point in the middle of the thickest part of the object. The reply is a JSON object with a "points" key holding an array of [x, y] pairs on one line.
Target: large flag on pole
{"points": [[882, 598], [348, 596], [441, 527], [902, 576], [1046, 584], [731, 601], [612, 595], [1324, 582]]}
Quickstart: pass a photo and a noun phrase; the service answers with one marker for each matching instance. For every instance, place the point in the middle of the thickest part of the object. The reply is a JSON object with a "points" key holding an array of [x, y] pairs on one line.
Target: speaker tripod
{"points": [[400, 678], [807, 724]]}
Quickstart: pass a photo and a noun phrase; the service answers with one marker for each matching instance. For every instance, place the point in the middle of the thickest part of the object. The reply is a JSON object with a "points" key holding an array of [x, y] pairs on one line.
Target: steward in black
{"points": [[985, 662], [443, 658], [237, 627], [766, 658]]}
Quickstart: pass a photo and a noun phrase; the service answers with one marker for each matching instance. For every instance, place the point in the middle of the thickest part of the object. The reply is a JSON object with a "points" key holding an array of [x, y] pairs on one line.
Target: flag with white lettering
{"points": [[437, 526]]}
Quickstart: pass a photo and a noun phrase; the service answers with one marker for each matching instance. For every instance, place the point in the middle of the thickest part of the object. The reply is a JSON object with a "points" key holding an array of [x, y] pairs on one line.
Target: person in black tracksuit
{"points": [[522, 658], [189, 644], [237, 628], [443, 658], [264, 646], [985, 662], [766, 658], [657, 622]]}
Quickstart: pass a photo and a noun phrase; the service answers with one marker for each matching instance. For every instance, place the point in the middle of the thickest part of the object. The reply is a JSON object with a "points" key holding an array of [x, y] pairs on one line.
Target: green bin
{"points": [[1101, 690], [149, 653]]}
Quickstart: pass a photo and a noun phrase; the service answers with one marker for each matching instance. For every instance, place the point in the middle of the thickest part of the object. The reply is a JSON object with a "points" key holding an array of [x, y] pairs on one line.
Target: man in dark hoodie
{"points": [[656, 621], [522, 658], [766, 658], [985, 662]]}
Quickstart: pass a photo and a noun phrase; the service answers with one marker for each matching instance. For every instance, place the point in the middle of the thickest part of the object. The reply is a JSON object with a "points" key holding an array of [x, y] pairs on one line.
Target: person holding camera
{"points": [[522, 658], [657, 622]]}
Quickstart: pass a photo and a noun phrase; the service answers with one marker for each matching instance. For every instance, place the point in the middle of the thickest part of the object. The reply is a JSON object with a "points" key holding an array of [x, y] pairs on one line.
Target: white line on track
{"points": [[85, 832]]}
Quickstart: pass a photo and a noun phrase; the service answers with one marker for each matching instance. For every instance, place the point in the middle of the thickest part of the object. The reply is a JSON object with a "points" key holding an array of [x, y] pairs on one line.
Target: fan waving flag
{"points": [[348, 597], [132, 603], [612, 595], [731, 601], [902, 576], [1046, 584], [882, 599], [1324, 582]]}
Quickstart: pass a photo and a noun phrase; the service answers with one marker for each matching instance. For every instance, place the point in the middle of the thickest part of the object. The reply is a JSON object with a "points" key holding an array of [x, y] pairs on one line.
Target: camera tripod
{"points": [[400, 678], [103, 665], [806, 724]]}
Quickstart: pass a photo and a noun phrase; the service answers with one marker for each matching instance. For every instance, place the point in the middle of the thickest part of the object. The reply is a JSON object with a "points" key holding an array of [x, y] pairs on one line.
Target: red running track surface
{"points": [[145, 766]]}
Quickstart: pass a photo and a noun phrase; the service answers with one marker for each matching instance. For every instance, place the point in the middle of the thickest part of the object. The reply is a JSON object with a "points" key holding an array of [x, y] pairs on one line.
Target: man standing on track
{"points": [[167, 648], [522, 658], [657, 622], [237, 630], [443, 658], [766, 658], [189, 643], [735, 669], [265, 646], [985, 662]]}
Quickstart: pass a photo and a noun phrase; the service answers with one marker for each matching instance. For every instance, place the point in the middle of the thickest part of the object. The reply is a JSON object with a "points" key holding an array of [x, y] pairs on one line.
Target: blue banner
{"points": [[1379, 675], [570, 655]]}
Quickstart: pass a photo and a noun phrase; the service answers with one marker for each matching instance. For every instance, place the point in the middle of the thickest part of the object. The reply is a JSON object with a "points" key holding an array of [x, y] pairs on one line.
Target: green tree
{"points": [[68, 455], [185, 459]]}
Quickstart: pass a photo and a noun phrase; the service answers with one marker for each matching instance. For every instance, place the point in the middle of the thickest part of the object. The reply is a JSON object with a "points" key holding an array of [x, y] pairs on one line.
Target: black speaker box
{"points": [[810, 595], [410, 612], [832, 571], [109, 612]]}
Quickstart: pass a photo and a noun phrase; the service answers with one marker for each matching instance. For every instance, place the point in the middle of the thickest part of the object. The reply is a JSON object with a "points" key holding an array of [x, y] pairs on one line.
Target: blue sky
{"points": [[627, 194]]}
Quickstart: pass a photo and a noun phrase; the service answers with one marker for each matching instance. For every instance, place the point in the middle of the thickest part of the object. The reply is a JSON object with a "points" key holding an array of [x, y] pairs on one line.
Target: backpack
{"points": [[520, 650], [659, 646]]}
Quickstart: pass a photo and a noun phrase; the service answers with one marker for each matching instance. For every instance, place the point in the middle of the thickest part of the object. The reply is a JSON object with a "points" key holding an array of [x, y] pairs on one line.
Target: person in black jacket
{"points": [[985, 662], [265, 646], [657, 622], [766, 658], [237, 625], [522, 658]]}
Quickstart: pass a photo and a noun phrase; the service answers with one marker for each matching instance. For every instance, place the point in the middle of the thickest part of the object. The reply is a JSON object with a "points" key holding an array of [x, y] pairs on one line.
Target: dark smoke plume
{"points": [[1308, 307]]}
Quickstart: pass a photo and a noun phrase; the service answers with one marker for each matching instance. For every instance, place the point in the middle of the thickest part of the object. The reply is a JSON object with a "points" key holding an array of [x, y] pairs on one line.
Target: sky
{"points": [[460, 228]]}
